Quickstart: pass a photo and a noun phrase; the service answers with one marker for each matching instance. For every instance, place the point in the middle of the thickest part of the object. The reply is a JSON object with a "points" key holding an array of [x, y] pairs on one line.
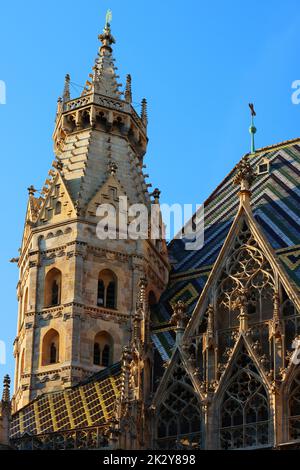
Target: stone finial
{"points": [[106, 38], [6, 389], [156, 195], [245, 174], [179, 317], [144, 113], [66, 92], [128, 92], [31, 190], [112, 168], [59, 106]]}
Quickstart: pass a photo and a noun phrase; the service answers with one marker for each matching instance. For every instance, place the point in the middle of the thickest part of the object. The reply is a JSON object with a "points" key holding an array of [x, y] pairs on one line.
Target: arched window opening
{"points": [[179, 420], [105, 356], [97, 354], [107, 290], [53, 288], [57, 208], [50, 348], [103, 349], [294, 409], [54, 293], [101, 293], [244, 411], [53, 354], [111, 295]]}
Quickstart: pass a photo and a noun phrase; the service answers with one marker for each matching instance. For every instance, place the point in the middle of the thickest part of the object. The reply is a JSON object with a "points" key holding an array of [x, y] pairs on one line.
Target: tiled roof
{"points": [[91, 403], [276, 206]]}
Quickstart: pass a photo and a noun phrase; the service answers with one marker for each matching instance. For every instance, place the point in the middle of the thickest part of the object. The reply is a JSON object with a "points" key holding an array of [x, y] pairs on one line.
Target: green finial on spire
{"points": [[252, 128], [108, 18]]}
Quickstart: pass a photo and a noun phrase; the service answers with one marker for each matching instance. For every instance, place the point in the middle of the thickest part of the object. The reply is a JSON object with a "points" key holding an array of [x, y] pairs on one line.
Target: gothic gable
{"points": [[247, 269], [178, 411], [243, 405], [58, 205]]}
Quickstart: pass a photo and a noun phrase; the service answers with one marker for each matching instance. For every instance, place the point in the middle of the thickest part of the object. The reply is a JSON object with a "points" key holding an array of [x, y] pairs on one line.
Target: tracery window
{"points": [[244, 411], [179, 420], [247, 274], [248, 269], [294, 409]]}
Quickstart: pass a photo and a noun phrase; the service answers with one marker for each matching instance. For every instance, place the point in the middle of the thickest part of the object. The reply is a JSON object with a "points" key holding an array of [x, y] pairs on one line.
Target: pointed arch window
{"points": [[53, 353], [244, 411], [50, 348], [103, 349], [107, 289], [52, 295], [179, 417]]}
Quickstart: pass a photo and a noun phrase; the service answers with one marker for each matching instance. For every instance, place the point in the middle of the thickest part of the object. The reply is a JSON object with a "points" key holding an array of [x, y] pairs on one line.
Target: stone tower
{"points": [[77, 292]]}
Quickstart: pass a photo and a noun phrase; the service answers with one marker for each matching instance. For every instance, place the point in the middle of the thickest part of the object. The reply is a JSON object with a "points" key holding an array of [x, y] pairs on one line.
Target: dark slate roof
{"points": [[276, 206], [90, 403]]}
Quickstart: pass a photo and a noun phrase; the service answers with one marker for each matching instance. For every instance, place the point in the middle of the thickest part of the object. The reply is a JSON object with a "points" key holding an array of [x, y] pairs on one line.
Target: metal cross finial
{"points": [[251, 106]]}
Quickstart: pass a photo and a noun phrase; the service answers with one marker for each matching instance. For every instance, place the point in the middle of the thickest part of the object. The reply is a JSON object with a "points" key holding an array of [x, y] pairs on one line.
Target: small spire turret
{"points": [[128, 92], [144, 113], [66, 92], [6, 389]]}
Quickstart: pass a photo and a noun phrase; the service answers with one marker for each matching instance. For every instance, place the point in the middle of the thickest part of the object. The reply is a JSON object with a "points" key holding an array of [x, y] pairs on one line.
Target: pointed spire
{"points": [[104, 79], [144, 114], [6, 389], [66, 92], [128, 93], [252, 128]]}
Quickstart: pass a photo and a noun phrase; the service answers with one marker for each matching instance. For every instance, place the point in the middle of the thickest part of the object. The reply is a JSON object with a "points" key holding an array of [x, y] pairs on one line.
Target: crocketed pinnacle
{"points": [[6, 389]]}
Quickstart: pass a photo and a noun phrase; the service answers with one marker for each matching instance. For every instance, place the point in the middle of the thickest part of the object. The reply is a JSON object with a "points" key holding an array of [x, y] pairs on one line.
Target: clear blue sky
{"points": [[197, 62]]}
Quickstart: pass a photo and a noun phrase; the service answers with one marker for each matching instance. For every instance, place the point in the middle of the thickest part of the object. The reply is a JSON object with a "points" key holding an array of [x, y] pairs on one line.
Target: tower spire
{"points": [[104, 79], [252, 128]]}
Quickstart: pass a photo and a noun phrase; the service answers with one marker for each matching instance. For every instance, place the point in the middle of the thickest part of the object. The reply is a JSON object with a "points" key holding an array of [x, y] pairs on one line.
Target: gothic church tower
{"points": [[77, 293]]}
